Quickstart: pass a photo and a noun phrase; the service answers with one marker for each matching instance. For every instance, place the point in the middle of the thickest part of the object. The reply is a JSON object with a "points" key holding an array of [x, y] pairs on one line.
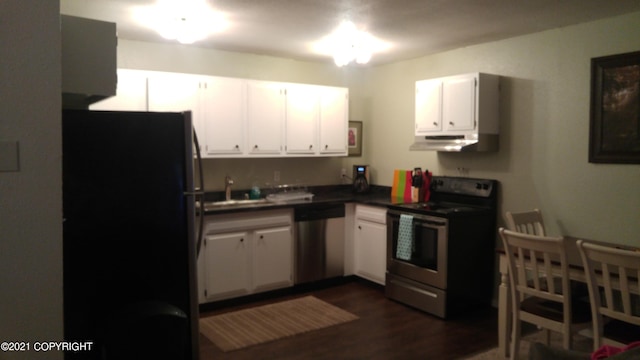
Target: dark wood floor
{"points": [[386, 330]]}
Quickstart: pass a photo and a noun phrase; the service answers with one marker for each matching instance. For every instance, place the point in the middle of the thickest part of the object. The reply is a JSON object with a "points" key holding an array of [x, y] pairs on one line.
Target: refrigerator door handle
{"points": [[199, 195]]}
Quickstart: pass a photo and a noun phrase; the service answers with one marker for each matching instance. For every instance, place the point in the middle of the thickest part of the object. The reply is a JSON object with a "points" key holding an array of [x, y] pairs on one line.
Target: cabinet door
{"points": [[428, 107], [175, 92], [226, 265], [459, 103], [265, 117], [272, 258], [302, 119], [370, 250], [334, 120], [222, 101], [131, 93]]}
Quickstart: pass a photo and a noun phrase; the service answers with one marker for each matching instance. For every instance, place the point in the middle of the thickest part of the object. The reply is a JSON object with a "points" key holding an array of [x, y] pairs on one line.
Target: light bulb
{"points": [[351, 44]]}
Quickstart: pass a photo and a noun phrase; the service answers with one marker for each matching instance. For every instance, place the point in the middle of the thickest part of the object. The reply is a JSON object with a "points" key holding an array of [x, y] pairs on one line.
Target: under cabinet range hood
{"points": [[457, 113], [88, 61], [457, 143]]}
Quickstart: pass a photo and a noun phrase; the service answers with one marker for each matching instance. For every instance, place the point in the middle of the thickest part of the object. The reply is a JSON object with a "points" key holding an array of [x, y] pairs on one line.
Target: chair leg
{"points": [[547, 336], [566, 340], [515, 339]]}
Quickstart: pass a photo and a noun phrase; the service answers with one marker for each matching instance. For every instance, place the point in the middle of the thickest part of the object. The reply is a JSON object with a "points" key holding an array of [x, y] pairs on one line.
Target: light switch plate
{"points": [[9, 160]]}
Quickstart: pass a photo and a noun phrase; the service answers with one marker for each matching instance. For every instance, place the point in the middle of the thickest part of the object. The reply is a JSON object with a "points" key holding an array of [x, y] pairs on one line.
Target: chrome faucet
{"points": [[227, 187]]}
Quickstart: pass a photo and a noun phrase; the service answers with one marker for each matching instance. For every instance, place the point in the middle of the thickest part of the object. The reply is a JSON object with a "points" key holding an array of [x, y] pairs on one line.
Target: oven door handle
{"points": [[418, 219], [430, 222]]}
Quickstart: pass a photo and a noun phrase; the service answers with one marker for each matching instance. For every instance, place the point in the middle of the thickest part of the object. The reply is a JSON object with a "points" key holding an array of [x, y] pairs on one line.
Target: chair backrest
{"points": [[537, 264], [528, 222], [620, 271]]}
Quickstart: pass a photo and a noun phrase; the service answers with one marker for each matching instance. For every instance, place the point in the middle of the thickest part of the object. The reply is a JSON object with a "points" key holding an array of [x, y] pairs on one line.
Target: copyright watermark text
{"points": [[43, 346]]}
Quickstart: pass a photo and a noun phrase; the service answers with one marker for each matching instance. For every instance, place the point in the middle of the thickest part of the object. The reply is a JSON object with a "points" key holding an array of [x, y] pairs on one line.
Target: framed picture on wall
{"points": [[355, 138], [614, 132]]}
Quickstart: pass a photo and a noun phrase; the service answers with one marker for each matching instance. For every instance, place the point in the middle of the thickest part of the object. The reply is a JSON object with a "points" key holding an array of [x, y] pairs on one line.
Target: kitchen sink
{"points": [[214, 204]]}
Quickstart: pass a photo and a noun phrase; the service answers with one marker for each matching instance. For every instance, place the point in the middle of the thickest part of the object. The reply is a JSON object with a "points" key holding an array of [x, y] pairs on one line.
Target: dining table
{"points": [[576, 273]]}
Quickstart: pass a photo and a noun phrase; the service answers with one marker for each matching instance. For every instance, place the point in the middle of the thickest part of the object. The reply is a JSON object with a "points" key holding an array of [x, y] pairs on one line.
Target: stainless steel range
{"points": [[440, 254]]}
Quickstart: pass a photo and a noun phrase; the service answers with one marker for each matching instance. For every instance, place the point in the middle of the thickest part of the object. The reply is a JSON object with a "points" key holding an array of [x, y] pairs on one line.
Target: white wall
{"points": [[31, 198], [543, 157]]}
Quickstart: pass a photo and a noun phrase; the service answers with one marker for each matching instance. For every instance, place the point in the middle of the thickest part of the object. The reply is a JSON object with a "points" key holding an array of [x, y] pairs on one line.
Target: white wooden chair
{"points": [[528, 222], [537, 264], [612, 298]]}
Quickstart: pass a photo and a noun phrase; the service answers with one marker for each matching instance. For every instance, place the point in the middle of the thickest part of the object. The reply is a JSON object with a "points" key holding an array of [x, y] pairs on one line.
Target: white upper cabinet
{"points": [[173, 92], [131, 93], [243, 118], [302, 119], [459, 103], [445, 105], [317, 120], [334, 120], [265, 117], [223, 103], [176, 93], [428, 106]]}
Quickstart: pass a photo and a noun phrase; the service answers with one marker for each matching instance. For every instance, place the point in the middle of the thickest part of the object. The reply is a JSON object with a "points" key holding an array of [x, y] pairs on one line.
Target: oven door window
{"points": [[424, 245]]}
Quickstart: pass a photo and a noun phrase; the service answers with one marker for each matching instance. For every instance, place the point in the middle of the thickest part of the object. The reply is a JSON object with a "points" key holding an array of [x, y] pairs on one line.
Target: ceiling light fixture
{"points": [[186, 21], [351, 44]]}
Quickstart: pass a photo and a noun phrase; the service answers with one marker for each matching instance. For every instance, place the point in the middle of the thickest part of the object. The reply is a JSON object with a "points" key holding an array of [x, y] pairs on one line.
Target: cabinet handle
{"points": [[310, 147], [237, 147], [326, 147], [241, 239], [359, 227], [261, 236], [451, 123], [435, 123], [255, 146]]}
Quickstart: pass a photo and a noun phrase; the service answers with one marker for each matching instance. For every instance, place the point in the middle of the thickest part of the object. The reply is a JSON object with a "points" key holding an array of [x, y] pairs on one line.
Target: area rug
{"points": [[580, 343], [242, 328]]}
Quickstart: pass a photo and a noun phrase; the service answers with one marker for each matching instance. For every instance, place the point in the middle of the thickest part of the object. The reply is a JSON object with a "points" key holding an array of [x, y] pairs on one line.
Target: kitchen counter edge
{"points": [[378, 196]]}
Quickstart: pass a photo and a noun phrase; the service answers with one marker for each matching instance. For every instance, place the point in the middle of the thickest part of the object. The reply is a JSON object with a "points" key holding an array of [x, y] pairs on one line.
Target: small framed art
{"points": [[355, 138]]}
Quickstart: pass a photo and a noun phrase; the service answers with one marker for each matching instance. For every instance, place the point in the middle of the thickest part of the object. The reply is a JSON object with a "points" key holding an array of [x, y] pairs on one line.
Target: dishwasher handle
{"points": [[318, 212]]}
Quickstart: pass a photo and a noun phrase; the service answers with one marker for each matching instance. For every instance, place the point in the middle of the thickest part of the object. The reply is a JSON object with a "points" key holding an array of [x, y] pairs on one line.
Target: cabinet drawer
{"points": [[371, 213]]}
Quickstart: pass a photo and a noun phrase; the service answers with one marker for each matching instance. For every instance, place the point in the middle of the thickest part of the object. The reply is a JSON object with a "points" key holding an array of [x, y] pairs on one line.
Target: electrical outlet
{"points": [[276, 175]]}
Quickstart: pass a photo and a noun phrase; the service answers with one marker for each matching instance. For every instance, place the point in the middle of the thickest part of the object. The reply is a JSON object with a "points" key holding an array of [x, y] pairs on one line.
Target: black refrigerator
{"points": [[129, 235]]}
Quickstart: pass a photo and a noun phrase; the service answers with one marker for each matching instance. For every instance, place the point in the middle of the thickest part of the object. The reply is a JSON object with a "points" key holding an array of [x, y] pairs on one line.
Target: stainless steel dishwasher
{"points": [[319, 242]]}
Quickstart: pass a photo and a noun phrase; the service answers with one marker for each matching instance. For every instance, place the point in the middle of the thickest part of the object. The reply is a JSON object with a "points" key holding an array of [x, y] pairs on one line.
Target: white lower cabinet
{"points": [[245, 253], [370, 243], [227, 265], [272, 258]]}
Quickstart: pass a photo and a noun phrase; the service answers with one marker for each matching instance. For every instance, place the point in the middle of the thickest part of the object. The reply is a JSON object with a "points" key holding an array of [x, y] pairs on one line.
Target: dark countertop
{"points": [[377, 196]]}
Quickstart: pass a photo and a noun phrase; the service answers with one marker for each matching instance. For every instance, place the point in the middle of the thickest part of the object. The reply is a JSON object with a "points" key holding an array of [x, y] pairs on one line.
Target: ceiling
{"points": [[412, 28]]}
